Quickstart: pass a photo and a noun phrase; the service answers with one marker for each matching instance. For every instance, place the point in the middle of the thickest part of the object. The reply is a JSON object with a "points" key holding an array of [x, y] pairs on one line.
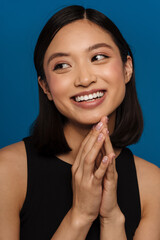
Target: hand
{"points": [[86, 181], [109, 208]]}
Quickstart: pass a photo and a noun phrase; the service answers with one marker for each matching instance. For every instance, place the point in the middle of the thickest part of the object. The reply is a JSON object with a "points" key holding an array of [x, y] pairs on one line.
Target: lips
{"points": [[89, 99], [88, 96]]}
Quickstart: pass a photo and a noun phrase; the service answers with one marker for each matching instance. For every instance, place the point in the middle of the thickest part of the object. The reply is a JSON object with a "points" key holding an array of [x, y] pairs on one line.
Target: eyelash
{"points": [[102, 55], [60, 65]]}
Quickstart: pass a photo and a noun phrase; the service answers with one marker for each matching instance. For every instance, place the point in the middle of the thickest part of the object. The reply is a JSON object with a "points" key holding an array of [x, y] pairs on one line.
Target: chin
{"points": [[90, 120]]}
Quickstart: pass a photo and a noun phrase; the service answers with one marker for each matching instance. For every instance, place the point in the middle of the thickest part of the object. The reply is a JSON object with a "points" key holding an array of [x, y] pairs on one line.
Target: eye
{"points": [[61, 66], [99, 57]]}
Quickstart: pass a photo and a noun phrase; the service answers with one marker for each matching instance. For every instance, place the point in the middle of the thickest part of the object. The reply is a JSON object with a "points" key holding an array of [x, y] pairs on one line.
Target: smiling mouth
{"points": [[90, 97]]}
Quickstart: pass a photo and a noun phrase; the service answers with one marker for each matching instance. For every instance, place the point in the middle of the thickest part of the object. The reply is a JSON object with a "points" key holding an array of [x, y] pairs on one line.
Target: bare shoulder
{"points": [[149, 183], [13, 171], [13, 185], [13, 150], [147, 169], [147, 172]]}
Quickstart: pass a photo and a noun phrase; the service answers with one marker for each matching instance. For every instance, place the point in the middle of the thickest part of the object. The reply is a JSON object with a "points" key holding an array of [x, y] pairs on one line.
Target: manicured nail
{"points": [[100, 137], [112, 158], [99, 126], [107, 131], [107, 119], [105, 159]]}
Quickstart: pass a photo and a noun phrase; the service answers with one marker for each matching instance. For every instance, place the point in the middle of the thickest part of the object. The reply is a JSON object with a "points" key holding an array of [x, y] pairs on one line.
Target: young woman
{"points": [[74, 178]]}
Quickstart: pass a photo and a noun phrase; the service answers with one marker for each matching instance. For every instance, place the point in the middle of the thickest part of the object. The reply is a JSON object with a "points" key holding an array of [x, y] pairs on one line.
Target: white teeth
{"points": [[94, 95], [89, 97], [81, 98], [86, 97]]}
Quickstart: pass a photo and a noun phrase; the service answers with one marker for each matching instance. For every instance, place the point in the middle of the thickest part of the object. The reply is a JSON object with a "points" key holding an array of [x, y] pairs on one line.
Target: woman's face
{"points": [[85, 73]]}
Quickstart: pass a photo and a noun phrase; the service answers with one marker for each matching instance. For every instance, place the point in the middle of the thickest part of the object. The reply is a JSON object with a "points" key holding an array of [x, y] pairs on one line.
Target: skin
{"points": [[93, 180], [82, 72]]}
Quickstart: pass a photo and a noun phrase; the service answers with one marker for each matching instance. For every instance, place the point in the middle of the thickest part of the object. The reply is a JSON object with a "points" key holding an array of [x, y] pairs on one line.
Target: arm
{"points": [[72, 227], [149, 227], [13, 185], [149, 186], [87, 189], [86, 181], [11, 193], [114, 228], [112, 221], [9, 210]]}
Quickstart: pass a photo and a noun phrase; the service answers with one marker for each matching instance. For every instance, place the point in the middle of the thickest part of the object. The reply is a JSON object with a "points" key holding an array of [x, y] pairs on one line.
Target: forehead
{"points": [[79, 35]]}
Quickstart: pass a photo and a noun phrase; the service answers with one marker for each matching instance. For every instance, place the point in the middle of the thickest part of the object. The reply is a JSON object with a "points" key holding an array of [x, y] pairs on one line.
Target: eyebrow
{"points": [[98, 45], [91, 48], [55, 55]]}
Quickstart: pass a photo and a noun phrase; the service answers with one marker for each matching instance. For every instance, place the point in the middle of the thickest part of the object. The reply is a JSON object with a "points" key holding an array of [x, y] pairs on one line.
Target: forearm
{"points": [[72, 228], [113, 229]]}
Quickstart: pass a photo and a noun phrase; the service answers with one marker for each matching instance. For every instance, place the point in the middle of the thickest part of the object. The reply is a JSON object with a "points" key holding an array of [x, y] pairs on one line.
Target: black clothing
{"points": [[49, 195]]}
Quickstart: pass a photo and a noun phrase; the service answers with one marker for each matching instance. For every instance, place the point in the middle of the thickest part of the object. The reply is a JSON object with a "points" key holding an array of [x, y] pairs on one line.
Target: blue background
{"points": [[21, 23]]}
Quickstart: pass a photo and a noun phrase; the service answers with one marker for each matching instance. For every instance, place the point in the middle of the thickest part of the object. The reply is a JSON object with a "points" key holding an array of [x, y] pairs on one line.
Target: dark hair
{"points": [[48, 132]]}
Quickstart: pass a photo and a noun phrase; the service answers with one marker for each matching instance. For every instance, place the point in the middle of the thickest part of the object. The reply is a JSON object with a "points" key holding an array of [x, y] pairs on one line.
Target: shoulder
{"points": [[147, 169], [12, 150], [13, 173], [149, 184]]}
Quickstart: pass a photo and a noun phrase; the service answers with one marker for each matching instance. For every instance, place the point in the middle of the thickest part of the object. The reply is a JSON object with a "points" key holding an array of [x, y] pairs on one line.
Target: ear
{"points": [[43, 84], [128, 68]]}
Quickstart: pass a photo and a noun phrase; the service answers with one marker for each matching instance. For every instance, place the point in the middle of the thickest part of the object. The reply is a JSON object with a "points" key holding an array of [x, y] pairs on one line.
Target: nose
{"points": [[85, 76]]}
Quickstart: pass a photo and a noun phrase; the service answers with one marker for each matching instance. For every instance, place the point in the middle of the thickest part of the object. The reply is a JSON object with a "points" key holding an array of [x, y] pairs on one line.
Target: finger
{"points": [[77, 160], [110, 151], [108, 145], [90, 158], [99, 158], [105, 120], [86, 148], [111, 172], [100, 172]]}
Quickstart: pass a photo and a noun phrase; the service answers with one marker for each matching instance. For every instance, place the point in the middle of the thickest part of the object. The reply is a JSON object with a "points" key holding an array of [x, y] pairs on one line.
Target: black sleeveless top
{"points": [[49, 195]]}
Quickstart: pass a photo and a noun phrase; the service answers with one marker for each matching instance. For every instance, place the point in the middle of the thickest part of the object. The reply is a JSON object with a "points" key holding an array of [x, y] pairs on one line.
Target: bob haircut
{"points": [[47, 131]]}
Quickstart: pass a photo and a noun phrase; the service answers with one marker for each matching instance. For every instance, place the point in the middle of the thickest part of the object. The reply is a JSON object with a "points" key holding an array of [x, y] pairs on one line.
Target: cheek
{"points": [[57, 85], [115, 73]]}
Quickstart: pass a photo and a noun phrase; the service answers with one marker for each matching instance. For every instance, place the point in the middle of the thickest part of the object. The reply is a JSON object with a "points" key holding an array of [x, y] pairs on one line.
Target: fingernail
{"points": [[107, 119], [112, 158], [107, 131], [100, 137], [99, 126], [105, 159]]}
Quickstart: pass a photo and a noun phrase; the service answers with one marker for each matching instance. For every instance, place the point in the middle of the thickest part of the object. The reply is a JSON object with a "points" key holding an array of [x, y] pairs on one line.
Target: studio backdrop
{"points": [[21, 23]]}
